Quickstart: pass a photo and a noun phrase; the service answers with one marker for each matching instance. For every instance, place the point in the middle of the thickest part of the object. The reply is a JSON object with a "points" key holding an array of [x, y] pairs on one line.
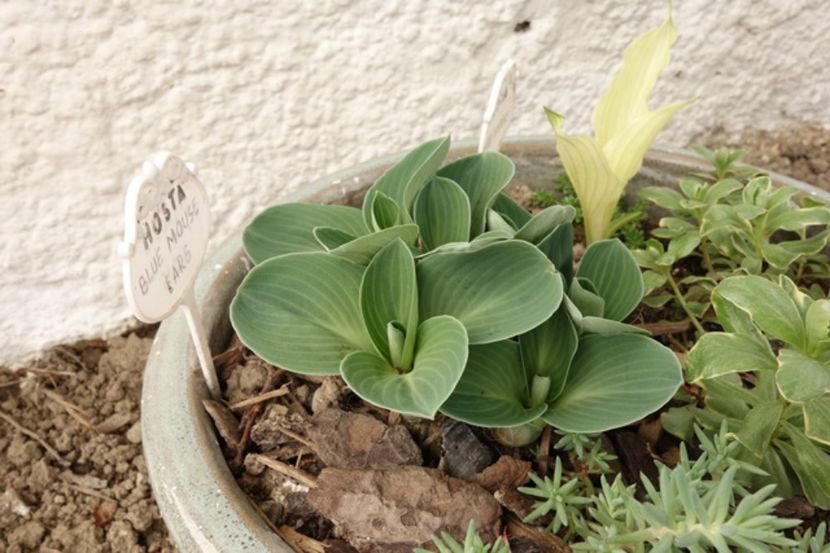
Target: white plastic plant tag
{"points": [[500, 108], [167, 225]]}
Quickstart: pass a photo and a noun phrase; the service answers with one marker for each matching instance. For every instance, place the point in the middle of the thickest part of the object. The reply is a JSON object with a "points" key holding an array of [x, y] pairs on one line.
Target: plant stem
{"points": [[682, 302], [707, 260]]}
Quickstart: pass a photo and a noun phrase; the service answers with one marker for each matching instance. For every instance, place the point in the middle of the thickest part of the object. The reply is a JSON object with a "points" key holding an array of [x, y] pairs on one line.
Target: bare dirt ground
{"points": [[72, 475]]}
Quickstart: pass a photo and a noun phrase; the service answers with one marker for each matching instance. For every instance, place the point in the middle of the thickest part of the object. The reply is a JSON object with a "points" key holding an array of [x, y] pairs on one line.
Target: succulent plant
{"points": [[556, 497], [472, 543]]}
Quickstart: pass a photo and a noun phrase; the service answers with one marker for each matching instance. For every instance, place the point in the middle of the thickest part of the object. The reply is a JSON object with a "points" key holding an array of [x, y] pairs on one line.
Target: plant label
{"points": [[500, 108], [167, 225]]}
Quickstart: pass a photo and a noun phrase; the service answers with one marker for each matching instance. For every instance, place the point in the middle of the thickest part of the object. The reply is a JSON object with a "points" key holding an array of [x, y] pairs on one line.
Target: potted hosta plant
{"points": [[418, 354]]}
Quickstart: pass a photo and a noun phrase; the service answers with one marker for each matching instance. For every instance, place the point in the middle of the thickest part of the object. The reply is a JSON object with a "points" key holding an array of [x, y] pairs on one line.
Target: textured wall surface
{"points": [[265, 96]]}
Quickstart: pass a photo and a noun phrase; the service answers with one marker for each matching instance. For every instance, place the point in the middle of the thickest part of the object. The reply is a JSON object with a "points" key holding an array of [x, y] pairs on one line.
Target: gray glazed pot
{"points": [[199, 499]]}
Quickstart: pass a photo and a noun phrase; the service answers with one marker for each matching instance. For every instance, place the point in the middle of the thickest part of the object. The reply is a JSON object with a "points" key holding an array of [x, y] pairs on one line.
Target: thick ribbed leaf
{"points": [[817, 419], [545, 222], [482, 177], [719, 353], [548, 349], [558, 247], [362, 250], [404, 180], [385, 212], [497, 292], [331, 238], [584, 296], [600, 325], [300, 312], [493, 392], [615, 275], [614, 380], [801, 378], [440, 357], [389, 294], [759, 425], [772, 310], [442, 212], [289, 228], [506, 207]]}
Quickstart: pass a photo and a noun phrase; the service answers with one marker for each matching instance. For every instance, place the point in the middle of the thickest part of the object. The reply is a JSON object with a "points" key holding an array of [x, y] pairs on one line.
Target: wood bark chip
{"points": [[463, 453], [224, 420], [544, 539], [390, 510]]}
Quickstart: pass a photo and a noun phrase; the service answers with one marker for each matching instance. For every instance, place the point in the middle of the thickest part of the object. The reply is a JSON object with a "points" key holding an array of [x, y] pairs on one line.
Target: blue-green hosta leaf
{"points": [[811, 464], [493, 392], [584, 296], [614, 381], [482, 177], [389, 294], [300, 312], [801, 378], [506, 207], [770, 307], [601, 325], [404, 180], [362, 250], [440, 357], [385, 212], [558, 247], [499, 222], [718, 353], [759, 425], [289, 228], [615, 275], [442, 211], [497, 292], [330, 237], [817, 419], [548, 349], [545, 222]]}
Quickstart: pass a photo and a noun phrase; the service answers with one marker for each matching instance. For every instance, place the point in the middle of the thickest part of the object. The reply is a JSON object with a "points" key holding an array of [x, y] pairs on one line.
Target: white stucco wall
{"points": [[265, 96]]}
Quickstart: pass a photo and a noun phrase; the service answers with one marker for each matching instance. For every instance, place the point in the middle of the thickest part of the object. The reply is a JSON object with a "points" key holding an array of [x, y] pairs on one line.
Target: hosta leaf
{"points": [[558, 247], [548, 349], [300, 312], [718, 353], [600, 325], [385, 212], [811, 465], [505, 206], [545, 222], [759, 425], [363, 249], [440, 356], [614, 380], [801, 378], [493, 392], [442, 212], [584, 296], [404, 180], [497, 292], [768, 305], [817, 419], [331, 238], [289, 228], [615, 275], [482, 177], [389, 293]]}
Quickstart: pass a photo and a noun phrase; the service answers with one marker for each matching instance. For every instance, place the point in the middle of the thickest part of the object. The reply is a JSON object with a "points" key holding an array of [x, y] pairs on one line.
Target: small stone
{"points": [[115, 422], [246, 381], [27, 535], [464, 455], [22, 452], [133, 435], [354, 440], [40, 475], [122, 537], [507, 472], [328, 394], [11, 502]]}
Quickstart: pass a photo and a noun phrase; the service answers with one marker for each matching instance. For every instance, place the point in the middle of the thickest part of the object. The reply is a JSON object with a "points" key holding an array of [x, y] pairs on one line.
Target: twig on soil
{"points": [[72, 356], [547, 541], [251, 414], [74, 411], [543, 456], [88, 491], [300, 476], [260, 398], [661, 328], [30, 434], [10, 383], [299, 542], [298, 438], [53, 372]]}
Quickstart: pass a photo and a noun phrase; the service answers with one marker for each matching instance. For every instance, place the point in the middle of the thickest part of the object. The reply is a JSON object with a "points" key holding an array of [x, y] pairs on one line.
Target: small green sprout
{"points": [[472, 543], [557, 497]]}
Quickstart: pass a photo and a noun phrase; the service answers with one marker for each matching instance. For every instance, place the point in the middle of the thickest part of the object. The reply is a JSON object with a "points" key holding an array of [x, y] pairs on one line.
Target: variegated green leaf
{"points": [[801, 378], [817, 419], [300, 312], [759, 425], [289, 228], [718, 353]]}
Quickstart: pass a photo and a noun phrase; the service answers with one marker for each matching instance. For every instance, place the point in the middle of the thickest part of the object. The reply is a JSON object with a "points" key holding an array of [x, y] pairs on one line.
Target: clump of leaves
{"points": [[586, 450], [808, 543], [472, 543], [693, 508], [778, 339], [600, 166], [441, 293]]}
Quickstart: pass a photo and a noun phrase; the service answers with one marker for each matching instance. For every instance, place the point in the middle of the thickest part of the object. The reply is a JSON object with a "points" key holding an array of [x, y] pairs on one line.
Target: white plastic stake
{"points": [[166, 231], [500, 108]]}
